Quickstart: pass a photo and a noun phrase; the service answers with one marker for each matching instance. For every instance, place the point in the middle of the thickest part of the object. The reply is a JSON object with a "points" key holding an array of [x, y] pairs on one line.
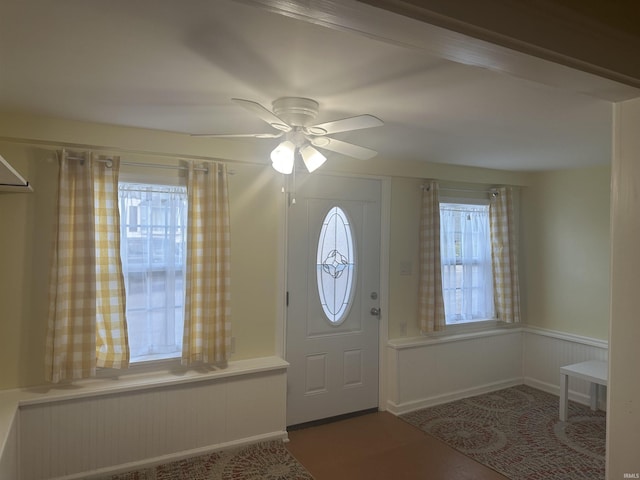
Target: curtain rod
{"points": [[149, 165], [491, 191], [101, 148]]}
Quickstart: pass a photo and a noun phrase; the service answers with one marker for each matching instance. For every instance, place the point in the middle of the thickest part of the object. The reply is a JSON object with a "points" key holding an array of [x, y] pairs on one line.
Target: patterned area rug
{"points": [[516, 431], [262, 461]]}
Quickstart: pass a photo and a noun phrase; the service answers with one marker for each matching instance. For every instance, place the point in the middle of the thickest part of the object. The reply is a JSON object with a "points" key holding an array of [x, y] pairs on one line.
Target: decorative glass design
{"points": [[335, 265]]}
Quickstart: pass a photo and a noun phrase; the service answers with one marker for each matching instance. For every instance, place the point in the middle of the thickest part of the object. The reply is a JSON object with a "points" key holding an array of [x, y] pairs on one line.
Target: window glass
{"points": [[335, 265], [152, 246], [467, 277]]}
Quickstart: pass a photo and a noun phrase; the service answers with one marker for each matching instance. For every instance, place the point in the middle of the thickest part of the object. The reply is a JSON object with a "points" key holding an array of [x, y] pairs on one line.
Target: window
{"points": [[152, 248], [335, 265], [467, 278]]}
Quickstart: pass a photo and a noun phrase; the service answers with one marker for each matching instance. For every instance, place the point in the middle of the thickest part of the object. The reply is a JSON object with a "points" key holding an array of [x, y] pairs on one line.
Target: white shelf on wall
{"points": [[11, 180]]}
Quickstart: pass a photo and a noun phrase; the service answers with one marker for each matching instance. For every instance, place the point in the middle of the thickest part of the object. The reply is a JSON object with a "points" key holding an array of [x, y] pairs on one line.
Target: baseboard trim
{"points": [[152, 462], [400, 409], [406, 407], [555, 390]]}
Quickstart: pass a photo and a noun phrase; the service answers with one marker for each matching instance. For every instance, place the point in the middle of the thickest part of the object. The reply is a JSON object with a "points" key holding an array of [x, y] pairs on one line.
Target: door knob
{"points": [[375, 311]]}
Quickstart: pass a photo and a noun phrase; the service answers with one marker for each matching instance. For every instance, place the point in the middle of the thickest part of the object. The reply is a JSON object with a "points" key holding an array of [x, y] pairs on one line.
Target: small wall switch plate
{"points": [[406, 268]]}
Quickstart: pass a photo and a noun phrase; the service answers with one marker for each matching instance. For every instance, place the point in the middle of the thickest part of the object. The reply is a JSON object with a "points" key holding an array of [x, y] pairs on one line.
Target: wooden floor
{"points": [[380, 446]]}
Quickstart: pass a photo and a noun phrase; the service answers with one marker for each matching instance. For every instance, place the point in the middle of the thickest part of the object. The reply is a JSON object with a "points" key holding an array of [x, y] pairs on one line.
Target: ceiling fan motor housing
{"points": [[296, 111]]}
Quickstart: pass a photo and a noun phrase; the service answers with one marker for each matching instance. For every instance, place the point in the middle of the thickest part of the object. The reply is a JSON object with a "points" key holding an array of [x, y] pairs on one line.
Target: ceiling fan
{"points": [[292, 117]]}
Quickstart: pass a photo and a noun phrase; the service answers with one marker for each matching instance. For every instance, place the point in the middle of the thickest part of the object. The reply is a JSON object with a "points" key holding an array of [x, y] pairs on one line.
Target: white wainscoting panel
{"points": [[73, 438], [427, 371], [545, 351], [256, 405], [9, 452]]}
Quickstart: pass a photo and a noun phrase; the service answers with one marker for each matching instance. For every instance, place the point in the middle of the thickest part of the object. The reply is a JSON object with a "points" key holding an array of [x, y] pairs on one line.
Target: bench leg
{"points": [[564, 396], [594, 396]]}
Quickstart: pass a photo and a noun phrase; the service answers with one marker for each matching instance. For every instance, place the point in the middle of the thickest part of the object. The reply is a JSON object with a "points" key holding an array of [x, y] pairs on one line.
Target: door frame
{"points": [[383, 323]]}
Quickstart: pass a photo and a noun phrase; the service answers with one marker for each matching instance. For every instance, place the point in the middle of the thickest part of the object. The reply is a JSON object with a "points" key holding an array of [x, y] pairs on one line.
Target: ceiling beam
{"points": [[598, 37], [420, 25]]}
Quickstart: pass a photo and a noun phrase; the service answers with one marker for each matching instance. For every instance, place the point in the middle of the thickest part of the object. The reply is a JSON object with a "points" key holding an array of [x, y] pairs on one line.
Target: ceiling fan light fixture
{"points": [[293, 117], [282, 157], [312, 158]]}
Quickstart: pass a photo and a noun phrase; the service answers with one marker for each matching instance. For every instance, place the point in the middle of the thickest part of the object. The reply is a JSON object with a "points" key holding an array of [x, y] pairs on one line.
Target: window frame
{"points": [[173, 178], [470, 325]]}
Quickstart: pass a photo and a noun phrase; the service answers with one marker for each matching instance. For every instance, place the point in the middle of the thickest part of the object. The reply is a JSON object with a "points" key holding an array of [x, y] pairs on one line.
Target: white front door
{"points": [[333, 290]]}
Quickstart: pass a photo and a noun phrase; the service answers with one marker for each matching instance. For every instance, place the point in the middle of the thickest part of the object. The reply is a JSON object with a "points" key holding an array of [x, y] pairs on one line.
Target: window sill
{"points": [[463, 327], [487, 329], [140, 381], [149, 367]]}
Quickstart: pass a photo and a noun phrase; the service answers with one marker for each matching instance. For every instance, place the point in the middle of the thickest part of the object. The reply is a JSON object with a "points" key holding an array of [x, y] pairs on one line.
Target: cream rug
{"points": [[262, 461], [517, 432]]}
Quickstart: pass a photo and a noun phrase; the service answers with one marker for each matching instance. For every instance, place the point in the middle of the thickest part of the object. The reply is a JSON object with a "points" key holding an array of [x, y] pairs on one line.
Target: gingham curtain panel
{"points": [[86, 296], [207, 324], [112, 346], [505, 256], [430, 301]]}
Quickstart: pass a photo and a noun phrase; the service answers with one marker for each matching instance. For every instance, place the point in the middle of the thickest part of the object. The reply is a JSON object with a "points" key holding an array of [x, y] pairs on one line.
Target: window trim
{"points": [[467, 327], [472, 325], [144, 367], [463, 200], [173, 364]]}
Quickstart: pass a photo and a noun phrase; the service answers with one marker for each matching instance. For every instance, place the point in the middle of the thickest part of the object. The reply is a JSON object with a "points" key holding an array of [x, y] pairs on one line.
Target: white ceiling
{"points": [[174, 66]]}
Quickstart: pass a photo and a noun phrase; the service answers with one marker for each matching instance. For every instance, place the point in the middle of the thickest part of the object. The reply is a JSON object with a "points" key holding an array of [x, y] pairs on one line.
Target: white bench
{"points": [[594, 371]]}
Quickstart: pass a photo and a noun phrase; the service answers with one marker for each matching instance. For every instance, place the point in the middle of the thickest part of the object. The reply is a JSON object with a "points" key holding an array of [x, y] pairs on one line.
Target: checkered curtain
{"points": [[86, 324], [505, 256], [207, 325], [430, 301], [112, 344]]}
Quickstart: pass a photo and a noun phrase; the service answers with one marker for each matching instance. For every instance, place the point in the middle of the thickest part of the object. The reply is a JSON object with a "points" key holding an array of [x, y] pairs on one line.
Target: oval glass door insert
{"points": [[335, 265]]}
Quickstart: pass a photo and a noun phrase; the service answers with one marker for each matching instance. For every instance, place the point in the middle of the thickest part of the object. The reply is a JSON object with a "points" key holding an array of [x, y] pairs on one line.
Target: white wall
{"points": [[564, 251], [623, 421]]}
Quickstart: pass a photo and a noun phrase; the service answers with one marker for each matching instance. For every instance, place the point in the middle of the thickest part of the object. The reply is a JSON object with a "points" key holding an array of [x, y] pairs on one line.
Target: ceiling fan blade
{"points": [[263, 114], [344, 148], [238, 135], [346, 124]]}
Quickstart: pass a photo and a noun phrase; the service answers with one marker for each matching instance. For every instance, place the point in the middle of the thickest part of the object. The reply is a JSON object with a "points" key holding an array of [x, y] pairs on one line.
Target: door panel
{"points": [[334, 365]]}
